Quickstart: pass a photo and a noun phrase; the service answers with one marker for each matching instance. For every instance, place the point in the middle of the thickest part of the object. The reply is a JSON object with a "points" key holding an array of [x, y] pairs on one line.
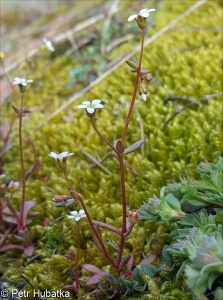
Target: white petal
{"points": [[87, 103], [98, 106], [70, 154], [90, 110], [151, 9], [74, 213], [71, 217], [64, 154], [95, 102], [143, 97], [29, 80], [60, 156], [131, 18], [142, 11], [81, 106], [77, 219], [53, 154]]}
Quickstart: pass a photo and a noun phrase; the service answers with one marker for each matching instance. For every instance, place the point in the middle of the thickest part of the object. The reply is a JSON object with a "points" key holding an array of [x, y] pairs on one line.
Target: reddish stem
{"points": [[102, 137], [77, 256], [135, 90], [23, 175]]}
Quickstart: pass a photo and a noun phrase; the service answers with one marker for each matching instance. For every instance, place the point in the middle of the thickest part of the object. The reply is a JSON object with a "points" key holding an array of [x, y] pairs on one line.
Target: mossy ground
{"points": [[185, 61]]}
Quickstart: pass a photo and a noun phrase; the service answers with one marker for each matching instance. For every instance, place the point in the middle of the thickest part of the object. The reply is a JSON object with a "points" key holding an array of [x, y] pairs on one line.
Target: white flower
{"points": [[60, 156], [143, 13], [22, 81], [143, 97], [48, 45], [77, 215], [91, 106]]}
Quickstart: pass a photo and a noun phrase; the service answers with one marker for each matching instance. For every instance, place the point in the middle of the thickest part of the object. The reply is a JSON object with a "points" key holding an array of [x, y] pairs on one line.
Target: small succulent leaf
{"points": [[11, 247], [134, 147], [96, 278], [91, 268], [141, 288], [148, 260], [150, 270], [130, 262], [166, 255], [138, 277], [29, 250], [27, 206]]}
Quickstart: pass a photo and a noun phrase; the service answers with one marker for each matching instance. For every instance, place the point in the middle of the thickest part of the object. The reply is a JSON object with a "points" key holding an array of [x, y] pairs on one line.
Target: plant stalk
{"points": [[135, 90], [21, 225]]}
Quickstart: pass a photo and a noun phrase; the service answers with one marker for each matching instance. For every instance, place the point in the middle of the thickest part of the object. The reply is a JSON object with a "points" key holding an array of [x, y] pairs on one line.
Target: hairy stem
{"points": [[135, 90]]}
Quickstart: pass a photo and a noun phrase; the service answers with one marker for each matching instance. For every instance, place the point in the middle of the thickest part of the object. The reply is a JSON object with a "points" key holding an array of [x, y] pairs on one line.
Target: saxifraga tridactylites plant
{"points": [[120, 150]]}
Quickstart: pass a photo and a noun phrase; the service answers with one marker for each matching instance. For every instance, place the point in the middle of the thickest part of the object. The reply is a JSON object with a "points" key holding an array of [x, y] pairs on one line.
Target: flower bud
{"points": [[133, 216], [146, 77], [61, 198], [120, 147]]}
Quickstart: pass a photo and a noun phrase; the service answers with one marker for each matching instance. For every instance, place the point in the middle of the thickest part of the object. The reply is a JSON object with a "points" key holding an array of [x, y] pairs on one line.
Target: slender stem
{"points": [[102, 137], [121, 247], [122, 184], [77, 255], [67, 179], [21, 225], [135, 90], [124, 211]]}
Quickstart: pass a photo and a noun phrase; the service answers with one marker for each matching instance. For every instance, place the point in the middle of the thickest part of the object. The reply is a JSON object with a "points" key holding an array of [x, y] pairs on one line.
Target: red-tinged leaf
{"points": [[148, 260], [96, 278], [28, 205], [130, 262], [134, 146], [96, 241], [29, 250], [91, 268], [30, 171], [16, 109], [11, 247]]}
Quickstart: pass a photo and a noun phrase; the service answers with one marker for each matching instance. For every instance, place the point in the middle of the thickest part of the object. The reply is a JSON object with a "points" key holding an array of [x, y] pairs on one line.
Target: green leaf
{"points": [[150, 270]]}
